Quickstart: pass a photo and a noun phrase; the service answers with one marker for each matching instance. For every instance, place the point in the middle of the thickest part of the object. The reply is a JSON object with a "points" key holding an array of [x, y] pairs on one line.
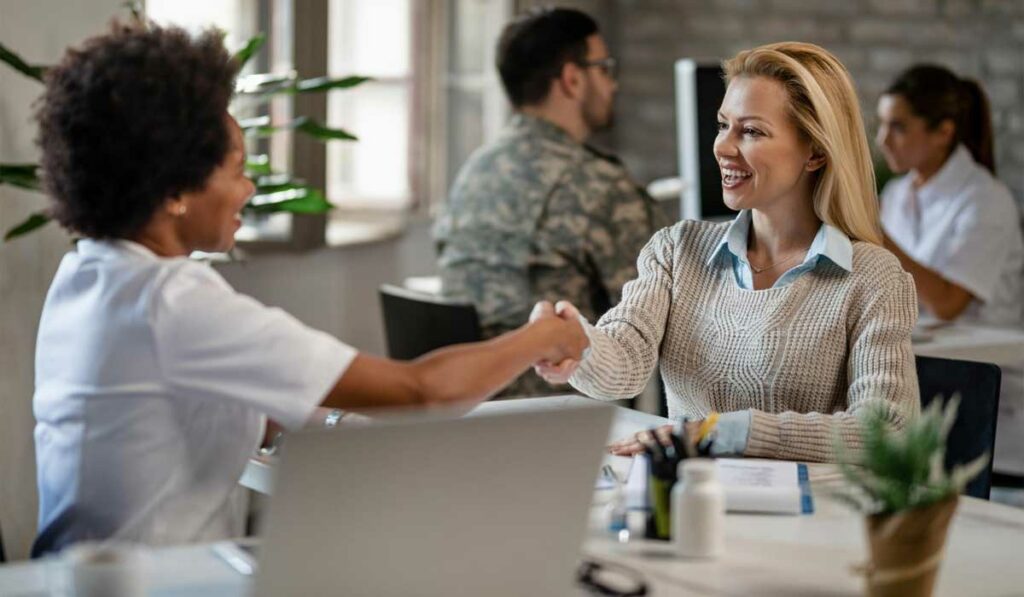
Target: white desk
{"points": [[1002, 346], [765, 555], [812, 555], [187, 571], [258, 475]]}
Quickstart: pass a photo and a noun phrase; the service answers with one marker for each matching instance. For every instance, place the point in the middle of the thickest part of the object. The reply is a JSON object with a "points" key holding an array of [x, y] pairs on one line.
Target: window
{"points": [[371, 38], [237, 18], [476, 107], [434, 98]]}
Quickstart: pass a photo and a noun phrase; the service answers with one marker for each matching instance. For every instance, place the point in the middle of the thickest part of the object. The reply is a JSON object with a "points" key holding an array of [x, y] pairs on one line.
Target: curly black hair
{"points": [[130, 119]]}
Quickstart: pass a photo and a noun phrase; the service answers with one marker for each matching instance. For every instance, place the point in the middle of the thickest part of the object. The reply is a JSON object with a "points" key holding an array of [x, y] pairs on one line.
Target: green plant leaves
{"points": [[17, 63], [288, 197], [20, 175], [249, 50], [25, 176], [275, 192], [261, 127], [903, 469], [257, 165], [271, 84], [316, 130], [319, 84], [36, 220]]}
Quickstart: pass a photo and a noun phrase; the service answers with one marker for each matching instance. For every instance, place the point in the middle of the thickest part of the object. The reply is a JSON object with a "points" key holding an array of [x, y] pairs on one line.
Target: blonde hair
{"points": [[824, 106]]}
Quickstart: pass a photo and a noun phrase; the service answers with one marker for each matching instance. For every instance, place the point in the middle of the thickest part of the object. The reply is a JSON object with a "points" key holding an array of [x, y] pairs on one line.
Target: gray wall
{"points": [[876, 39], [39, 30], [335, 289]]}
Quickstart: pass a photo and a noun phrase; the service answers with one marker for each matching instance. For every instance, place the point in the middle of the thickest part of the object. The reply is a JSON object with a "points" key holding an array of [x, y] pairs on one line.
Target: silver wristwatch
{"points": [[333, 417]]}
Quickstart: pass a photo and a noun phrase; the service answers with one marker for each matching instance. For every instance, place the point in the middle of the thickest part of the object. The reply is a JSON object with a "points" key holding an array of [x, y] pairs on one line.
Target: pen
{"points": [[707, 426]]}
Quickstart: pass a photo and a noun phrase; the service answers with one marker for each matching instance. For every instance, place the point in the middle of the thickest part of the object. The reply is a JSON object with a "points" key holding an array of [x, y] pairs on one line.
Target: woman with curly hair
{"points": [[154, 378]]}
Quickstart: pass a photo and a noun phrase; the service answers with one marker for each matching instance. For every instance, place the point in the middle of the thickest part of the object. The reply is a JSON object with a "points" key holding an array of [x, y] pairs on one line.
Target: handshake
{"points": [[570, 340]]}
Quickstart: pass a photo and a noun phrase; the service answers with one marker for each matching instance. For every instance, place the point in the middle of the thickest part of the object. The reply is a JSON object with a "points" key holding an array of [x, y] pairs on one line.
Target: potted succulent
{"points": [[898, 480]]}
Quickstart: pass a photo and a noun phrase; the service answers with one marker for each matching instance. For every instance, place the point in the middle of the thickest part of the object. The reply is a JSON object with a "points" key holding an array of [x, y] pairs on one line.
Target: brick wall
{"points": [[876, 39]]}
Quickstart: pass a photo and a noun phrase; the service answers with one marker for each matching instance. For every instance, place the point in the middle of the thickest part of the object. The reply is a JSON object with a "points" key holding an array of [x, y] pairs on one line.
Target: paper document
{"points": [[765, 486], [621, 465]]}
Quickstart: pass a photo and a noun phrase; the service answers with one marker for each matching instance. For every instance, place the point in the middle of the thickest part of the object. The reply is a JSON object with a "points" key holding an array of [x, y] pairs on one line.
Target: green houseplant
{"points": [[275, 191], [899, 481]]}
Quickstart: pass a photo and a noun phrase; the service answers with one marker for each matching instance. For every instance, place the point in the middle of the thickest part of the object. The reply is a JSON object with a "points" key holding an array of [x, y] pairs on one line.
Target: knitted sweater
{"points": [[803, 358]]}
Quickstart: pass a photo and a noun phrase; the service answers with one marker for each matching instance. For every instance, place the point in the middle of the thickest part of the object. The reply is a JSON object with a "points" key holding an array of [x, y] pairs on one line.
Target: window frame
{"points": [[431, 81]]}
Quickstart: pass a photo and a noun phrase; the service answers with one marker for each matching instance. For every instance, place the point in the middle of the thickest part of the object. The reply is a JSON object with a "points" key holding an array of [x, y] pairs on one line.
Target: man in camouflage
{"points": [[539, 215]]}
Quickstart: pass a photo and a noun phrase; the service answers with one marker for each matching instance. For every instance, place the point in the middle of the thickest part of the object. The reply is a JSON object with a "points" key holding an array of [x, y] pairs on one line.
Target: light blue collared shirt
{"points": [[829, 243]]}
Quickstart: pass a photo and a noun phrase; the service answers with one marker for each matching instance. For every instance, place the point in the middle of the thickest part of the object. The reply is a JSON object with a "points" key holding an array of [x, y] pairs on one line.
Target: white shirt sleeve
{"points": [[893, 210], [979, 245], [887, 200], [215, 343]]}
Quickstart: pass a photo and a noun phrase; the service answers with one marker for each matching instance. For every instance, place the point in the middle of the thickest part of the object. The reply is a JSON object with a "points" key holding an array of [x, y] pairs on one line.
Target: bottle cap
{"points": [[697, 469]]}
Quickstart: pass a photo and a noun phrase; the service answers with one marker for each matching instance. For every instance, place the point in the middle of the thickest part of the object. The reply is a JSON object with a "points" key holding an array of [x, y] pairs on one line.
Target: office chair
{"points": [[415, 323], [974, 431]]}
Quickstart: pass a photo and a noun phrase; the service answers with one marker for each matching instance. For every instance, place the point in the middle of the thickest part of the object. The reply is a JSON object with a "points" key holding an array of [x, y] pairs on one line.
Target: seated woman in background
{"points": [[791, 318], [153, 376], [952, 225]]}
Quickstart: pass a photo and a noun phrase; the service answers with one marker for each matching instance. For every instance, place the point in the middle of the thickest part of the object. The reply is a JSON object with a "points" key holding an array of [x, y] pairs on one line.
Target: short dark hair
{"points": [[130, 118], [535, 46], [936, 94]]}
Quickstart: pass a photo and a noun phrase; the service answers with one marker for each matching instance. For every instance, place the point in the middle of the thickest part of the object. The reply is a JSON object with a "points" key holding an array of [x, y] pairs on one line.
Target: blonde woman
{"points": [[791, 318]]}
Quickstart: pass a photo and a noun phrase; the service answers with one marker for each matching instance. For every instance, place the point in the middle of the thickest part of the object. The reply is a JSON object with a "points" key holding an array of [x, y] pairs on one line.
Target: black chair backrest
{"points": [[3, 558], [974, 431], [416, 323]]}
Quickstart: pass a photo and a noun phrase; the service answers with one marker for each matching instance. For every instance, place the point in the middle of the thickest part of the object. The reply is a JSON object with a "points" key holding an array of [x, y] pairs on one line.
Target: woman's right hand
{"points": [[637, 443], [561, 371]]}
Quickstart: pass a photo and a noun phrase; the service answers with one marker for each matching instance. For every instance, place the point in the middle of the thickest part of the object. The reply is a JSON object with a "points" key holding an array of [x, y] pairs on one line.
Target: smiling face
{"points": [[212, 213], [764, 160]]}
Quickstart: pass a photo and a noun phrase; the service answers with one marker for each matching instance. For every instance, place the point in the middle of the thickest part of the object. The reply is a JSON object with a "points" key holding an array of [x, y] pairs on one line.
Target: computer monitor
{"points": [[699, 92]]}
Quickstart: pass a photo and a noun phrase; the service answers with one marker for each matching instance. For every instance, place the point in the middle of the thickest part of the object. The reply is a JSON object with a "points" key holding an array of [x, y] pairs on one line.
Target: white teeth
{"points": [[730, 176]]}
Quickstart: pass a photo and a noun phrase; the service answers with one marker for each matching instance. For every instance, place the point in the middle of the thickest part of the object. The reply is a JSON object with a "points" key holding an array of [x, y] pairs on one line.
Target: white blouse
{"points": [[153, 377], [965, 225]]}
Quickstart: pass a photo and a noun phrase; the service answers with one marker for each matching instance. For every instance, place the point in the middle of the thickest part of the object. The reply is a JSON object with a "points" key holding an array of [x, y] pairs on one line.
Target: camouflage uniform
{"points": [[538, 216]]}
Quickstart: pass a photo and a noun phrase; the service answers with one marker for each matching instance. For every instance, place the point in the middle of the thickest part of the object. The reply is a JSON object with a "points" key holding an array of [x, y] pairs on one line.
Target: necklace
{"points": [[758, 270]]}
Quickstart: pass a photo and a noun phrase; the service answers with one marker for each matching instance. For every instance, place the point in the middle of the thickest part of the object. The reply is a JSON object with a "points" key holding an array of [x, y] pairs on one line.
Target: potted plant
{"points": [[275, 191], [898, 480]]}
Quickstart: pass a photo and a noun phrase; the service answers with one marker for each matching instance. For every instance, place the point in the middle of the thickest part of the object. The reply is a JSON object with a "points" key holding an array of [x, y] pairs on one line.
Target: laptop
{"points": [[488, 505]]}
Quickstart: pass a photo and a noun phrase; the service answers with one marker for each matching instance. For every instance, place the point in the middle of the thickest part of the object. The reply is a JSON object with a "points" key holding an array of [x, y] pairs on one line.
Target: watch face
{"points": [[333, 417]]}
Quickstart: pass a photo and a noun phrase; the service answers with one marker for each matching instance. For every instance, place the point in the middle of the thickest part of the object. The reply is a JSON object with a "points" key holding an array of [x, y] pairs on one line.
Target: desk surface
{"points": [[765, 555], [1002, 346]]}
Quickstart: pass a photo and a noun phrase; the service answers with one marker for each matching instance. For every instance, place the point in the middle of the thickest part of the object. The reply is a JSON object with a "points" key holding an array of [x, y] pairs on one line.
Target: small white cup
{"points": [[103, 570]]}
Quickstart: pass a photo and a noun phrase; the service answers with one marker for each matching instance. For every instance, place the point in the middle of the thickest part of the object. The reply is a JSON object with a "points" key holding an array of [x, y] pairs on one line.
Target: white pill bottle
{"points": [[698, 510]]}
